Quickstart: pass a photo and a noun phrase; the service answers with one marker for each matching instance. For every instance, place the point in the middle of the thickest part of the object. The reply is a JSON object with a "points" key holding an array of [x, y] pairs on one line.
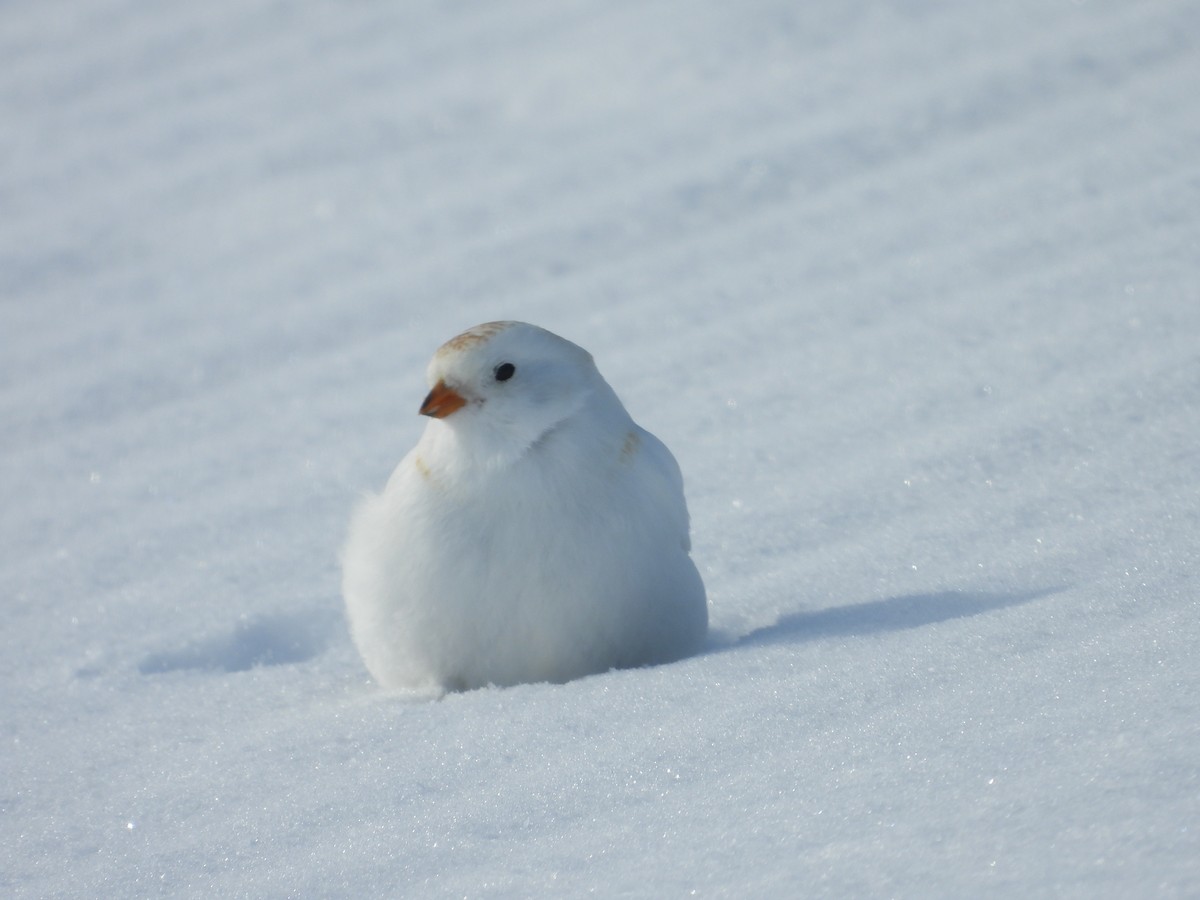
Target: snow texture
{"points": [[912, 292]]}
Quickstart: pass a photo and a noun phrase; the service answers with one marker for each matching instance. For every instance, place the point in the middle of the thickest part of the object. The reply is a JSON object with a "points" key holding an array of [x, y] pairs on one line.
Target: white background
{"points": [[910, 289]]}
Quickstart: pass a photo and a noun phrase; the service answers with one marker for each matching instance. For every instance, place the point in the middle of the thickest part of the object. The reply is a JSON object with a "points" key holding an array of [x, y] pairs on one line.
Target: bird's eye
{"points": [[505, 371]]}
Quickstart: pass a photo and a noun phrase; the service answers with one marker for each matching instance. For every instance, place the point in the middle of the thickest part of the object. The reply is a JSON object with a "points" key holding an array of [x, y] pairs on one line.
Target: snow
{"points": [[910, 290]]}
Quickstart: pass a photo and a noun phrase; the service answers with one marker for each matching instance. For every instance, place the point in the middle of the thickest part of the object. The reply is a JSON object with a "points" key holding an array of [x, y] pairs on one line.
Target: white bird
{"points": [[535, 532]]}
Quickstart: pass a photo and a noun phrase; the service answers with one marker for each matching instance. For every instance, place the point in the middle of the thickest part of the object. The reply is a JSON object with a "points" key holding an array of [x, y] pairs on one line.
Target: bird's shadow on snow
{"points": [[265, 640], [876, 617]]}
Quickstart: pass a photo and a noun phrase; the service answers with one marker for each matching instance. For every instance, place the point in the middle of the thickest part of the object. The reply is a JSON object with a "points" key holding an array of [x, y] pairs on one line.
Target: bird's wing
{"points": [[663, 481]]}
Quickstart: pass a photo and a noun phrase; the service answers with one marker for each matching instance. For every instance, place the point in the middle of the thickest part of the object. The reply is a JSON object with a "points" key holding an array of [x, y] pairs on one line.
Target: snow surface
{"points": [[912, 291]]}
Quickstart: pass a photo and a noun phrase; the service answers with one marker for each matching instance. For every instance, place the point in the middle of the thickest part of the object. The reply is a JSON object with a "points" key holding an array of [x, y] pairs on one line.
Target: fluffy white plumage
{"points": [[535, 533]]}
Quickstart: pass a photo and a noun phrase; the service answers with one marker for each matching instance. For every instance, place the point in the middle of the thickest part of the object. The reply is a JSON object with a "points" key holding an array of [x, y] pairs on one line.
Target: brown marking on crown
{"points": [[480, 334]]}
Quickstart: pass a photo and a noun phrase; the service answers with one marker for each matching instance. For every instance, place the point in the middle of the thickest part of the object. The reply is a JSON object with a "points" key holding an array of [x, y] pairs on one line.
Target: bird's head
{"points": [[502, 386]]}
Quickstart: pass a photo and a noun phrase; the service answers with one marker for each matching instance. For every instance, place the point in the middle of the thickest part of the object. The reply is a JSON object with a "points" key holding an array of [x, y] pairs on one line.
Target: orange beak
{"points": [[442, 401]]}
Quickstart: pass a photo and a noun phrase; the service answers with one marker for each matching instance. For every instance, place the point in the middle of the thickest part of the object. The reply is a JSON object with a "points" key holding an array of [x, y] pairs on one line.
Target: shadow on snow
{"points": [[268, 640], [879, 616]]}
